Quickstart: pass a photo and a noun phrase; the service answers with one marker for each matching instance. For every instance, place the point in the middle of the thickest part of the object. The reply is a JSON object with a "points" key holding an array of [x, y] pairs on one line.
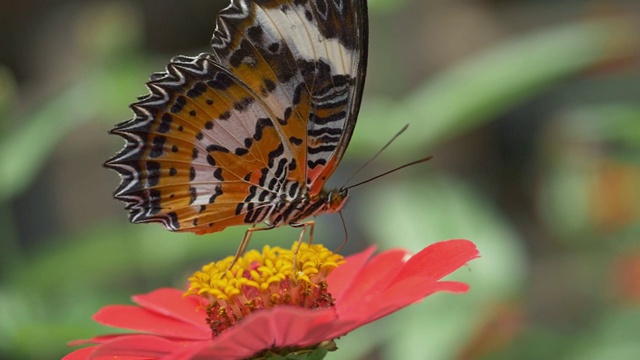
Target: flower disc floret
{"points": [[260, 280]]}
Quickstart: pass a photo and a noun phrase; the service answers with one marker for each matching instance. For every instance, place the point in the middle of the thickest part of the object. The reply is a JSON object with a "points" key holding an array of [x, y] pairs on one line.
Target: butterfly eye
{"points": [[337, 200]]}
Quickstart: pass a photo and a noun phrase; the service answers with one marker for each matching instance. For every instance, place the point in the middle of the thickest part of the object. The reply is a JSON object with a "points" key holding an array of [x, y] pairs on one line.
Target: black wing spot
{"points": [[270, 85], [157, 149], [211, 160], [220, 82], [255, 33], [275, 154], [319, 149], [263, 178], [295, 141], [243, 54], [287, 113], [196, 90], [215, 147], [280, 170], [165, 123], [213, 197], [293, 189], [217, 174], [274, 47], [179, 104], [243, 104], [153, 173], [313, 164], [239, 208], [261, 124]]}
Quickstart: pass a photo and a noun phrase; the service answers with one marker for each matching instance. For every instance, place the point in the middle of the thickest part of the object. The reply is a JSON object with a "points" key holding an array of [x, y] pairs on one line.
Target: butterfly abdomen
{"points": [[294, 211]]}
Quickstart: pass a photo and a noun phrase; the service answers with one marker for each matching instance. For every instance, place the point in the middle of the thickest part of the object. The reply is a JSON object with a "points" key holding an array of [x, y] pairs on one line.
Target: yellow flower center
{"points": [[261, 280]]}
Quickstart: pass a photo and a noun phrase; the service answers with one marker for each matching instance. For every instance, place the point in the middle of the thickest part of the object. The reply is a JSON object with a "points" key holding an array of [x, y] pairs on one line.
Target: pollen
{"points": [[262, 280]]}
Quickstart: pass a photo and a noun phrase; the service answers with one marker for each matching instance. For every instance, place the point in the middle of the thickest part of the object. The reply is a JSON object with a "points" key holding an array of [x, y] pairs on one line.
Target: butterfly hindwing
{"points": [[200, 145]]}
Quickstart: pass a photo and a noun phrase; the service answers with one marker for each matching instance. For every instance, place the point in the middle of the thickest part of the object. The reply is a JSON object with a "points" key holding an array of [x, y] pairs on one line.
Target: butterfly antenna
{"points": [[375, 156], [393, 170]]}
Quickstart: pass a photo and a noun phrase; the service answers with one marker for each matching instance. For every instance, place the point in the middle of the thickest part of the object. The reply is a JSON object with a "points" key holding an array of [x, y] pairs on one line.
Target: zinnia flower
{"points": [[276, 302]]}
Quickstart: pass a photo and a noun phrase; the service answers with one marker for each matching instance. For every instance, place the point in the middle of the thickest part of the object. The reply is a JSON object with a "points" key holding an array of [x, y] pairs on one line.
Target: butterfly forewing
{"points": [[234, 136], [310, 57]]}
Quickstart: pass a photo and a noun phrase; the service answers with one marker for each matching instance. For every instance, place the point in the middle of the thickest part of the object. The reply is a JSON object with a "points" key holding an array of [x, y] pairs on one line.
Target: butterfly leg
{"points": [[245, 242], [310, 225]]}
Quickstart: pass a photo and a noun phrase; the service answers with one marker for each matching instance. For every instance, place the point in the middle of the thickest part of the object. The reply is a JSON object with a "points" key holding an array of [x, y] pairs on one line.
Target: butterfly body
{"points": [[294, 211], [251, 132]]}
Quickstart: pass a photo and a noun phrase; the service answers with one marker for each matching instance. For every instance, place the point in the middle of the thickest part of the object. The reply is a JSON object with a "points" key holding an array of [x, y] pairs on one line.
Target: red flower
{"points": [[365, 289]]}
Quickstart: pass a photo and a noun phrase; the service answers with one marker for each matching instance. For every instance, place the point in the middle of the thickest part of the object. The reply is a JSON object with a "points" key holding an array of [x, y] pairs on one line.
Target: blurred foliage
{"points": [[559, 282]]}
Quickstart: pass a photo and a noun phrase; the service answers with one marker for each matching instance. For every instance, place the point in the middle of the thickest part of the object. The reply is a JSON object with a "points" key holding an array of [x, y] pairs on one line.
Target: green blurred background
{"points": [[531, 109]]}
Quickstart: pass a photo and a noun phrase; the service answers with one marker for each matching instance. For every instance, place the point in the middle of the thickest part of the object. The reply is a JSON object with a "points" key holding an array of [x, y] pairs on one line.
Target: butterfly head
{"points": [[336, 198]]}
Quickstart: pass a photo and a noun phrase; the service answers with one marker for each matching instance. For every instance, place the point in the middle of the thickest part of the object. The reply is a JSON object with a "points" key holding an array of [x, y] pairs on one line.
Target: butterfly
{"points": [[250, 132]]}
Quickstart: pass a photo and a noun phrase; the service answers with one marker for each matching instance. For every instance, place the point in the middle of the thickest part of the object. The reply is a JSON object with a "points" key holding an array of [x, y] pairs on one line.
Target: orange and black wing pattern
{"points": [[224, 138], [313, 55]]}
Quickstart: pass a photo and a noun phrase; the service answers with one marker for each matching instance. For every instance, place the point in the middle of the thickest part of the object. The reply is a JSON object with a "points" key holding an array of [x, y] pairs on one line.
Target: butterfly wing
{"points": [[221, 134], [311, 57], [202, 152]]}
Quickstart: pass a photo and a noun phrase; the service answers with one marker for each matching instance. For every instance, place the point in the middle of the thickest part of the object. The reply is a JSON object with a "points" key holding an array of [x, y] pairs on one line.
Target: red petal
{"points": [[95, 340], [373, 278], [417, 279], [455, 287], [138, 347], [193, 351], [171, 303], [343, 276], [376, 308], [410, 292], [438, 260], [82, 354], [132, 347], [135, 318], [276, 327]]}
